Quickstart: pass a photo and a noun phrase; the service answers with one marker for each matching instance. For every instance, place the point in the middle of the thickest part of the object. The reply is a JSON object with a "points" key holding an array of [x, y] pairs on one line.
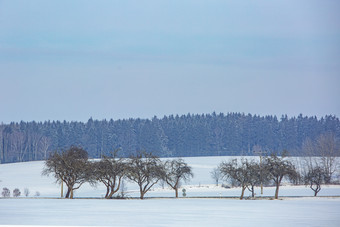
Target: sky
{"points": [[72, 60]]}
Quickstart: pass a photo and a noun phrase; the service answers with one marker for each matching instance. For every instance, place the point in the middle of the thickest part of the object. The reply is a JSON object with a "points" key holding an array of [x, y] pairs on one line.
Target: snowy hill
{"points": [[306, 211], [28, 175]]}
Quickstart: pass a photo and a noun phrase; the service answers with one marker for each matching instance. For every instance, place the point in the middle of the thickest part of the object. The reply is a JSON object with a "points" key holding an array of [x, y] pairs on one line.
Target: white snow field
{"points": [[171, 212], [222, 210]]}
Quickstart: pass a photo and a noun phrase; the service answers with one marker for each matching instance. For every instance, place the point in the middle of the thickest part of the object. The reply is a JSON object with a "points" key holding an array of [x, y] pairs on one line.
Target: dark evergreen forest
{"points": [[171, 136]]}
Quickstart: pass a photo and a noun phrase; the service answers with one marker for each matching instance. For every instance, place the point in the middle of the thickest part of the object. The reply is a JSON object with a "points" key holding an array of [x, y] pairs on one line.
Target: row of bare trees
{"points": [[273, 170], [249, 173], [322, 161], [20, 145], [73, 168], [327, 149], [316, 168]]}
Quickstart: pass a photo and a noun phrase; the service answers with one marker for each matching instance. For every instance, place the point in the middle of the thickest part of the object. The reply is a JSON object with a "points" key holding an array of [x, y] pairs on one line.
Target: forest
{"points": [[170, 136]]}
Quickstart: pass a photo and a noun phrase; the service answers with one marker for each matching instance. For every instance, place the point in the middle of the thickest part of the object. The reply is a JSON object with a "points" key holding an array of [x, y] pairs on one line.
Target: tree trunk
{"points": [[242, 194], [68, 193], [113, 190], [111, 193], [252, 191], [107, 192], [141, 192], [277, 191], [316, 190], [62, 189], [176, 190], [71, 197]]}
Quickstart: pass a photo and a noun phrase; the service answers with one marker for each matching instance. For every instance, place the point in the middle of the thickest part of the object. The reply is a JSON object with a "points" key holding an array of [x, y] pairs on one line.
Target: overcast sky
{"points": [[72, 60]]}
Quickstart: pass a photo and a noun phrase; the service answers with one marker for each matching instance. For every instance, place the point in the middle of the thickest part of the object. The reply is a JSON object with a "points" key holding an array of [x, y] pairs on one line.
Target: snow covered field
{"points": [[48, 210], [171, 212]]}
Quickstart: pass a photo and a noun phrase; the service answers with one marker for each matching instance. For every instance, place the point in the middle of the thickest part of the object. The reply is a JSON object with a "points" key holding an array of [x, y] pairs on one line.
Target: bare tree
{"points": [[35, 140], [70, 166], [6, 144], [324, 153], [19, 144], [109, 171], [45, 143], [239, 172], [257, 150], [216, 175], [308, 147], [278, 168], [328, 148], [175, 171], [146, 170], [314, 178], [257, 176]]}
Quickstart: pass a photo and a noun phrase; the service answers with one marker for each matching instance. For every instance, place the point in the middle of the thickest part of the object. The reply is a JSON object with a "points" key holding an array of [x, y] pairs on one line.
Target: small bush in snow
{"points": [[184, 192], [26, 192], [37, 194], [16, 192], [225, 186], [6, 192], [216, 175]]}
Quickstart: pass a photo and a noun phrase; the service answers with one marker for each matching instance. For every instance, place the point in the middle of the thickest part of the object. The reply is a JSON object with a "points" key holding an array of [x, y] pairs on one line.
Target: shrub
{"points": [[26, 192], [16, 192], [6, 192]]}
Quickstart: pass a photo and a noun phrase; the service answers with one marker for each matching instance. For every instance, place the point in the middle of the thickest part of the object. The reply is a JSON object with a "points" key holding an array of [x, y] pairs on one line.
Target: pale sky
{"points": [[72, 60]]}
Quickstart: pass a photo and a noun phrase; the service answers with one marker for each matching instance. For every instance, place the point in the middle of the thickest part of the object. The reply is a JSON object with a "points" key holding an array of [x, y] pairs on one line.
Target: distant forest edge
{"points": [[171, 136]]}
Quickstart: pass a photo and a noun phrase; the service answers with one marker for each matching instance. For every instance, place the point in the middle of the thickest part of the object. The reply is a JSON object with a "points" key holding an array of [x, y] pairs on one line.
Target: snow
{"points": [[49, 210], [171, 212]]}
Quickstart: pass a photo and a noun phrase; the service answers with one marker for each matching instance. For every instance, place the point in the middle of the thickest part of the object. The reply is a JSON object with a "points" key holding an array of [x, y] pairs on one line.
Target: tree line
{"points": [[249, 174], [73, 168], [171, 136]]}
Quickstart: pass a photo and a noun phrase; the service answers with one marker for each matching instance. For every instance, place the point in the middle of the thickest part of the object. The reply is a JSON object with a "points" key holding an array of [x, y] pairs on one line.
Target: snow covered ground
{"points": [[48, 210], [28, 175], [171, 212]]}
